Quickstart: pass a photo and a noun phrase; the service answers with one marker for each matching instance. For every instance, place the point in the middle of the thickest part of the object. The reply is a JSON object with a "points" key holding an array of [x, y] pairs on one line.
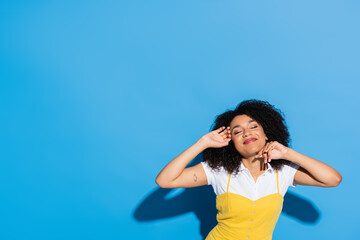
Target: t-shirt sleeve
{"points": [[209, 173], [289, 173]]}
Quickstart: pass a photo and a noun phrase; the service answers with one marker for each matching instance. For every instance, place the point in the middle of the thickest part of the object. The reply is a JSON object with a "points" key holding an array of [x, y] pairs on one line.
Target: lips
{"points": [[249, 140]]}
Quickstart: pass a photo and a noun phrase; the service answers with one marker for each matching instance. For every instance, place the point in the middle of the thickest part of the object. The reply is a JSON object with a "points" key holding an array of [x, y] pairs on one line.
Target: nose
{"points": [[245, 133]]}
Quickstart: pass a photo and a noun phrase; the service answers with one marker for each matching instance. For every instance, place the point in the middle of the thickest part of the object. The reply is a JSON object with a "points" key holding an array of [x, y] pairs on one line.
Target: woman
{"points": [[250, 166]]}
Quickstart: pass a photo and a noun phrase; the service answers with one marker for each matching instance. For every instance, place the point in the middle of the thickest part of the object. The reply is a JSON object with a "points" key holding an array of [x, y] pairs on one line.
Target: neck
{"points": [[254, 164]]}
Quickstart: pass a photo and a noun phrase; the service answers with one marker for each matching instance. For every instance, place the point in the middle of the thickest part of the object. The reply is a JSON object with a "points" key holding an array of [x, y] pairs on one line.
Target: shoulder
{"points": [[213, 174], [289, 166], [211, 170], [287, 172]]}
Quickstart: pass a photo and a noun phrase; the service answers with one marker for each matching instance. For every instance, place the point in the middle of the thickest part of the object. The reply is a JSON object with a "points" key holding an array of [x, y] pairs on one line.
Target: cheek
{"points": [[262, 142], [235, 139]]}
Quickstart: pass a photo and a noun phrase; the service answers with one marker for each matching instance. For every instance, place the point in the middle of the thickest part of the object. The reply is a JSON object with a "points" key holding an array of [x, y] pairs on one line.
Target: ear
{"points": [[266, 138]]}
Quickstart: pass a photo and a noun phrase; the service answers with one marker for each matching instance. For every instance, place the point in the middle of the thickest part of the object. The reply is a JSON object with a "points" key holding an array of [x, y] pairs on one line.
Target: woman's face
{"points": [[247, 135]]}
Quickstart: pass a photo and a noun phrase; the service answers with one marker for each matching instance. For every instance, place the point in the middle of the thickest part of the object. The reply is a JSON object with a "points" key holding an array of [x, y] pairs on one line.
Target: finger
{"points": [[260, 153], [268, 146], [269, 155], [225, 131], [270, 150], [265, 153], [274, 145], [225, 138], [220, 129], [226, 142]]}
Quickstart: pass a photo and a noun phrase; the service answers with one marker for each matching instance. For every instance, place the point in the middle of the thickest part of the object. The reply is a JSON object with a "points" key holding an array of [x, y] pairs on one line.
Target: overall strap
{"points": [[227, 190], [277, 181]]}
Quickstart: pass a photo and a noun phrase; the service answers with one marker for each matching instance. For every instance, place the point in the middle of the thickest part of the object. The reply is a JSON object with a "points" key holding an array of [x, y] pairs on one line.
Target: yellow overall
{"points": [[241, 218]]}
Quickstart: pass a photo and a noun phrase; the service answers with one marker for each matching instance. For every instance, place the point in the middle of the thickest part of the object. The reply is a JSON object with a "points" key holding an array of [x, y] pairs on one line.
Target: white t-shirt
{"points": [[243, 183]]}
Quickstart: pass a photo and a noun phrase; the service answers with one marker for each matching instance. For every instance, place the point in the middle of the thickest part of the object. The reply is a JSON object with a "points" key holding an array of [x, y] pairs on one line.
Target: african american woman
{"points": [[247, 161]]}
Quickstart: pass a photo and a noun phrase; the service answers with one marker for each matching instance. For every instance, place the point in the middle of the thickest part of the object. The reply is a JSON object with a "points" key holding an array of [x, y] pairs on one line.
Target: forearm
{"points": [[174, 168], [319, 170]]}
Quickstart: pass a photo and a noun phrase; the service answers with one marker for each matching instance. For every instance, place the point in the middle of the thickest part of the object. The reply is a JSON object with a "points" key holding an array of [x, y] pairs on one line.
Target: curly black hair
{"points": [[269, 117]]}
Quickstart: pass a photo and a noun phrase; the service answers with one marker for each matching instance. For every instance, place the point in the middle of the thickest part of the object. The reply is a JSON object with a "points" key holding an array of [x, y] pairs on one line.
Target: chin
{"points": [[250, 152]]}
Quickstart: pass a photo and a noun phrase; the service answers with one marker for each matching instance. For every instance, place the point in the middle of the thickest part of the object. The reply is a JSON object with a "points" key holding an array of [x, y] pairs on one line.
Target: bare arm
{"points": [[313, 172], [175, 175]]}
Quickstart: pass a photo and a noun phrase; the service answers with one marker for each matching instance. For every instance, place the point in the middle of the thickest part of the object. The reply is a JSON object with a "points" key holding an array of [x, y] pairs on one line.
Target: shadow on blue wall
{"points": [[201, 201]]}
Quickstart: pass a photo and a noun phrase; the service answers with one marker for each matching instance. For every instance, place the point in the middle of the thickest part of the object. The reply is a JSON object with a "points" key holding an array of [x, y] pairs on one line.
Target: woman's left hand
{"points": [[272, 150]]}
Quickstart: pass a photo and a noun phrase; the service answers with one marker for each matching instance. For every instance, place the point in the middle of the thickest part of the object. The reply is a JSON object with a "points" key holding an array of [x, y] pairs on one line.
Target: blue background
{"points": [[96, 97]]}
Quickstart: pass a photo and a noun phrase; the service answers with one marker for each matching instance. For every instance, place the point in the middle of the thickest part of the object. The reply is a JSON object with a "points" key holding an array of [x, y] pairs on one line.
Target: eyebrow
{"points": [[240, 126]]}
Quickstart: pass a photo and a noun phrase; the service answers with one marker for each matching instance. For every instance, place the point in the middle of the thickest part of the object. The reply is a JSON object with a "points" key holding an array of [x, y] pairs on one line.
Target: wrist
{"points": [[289, 155], [201, 143], [292, 156]]}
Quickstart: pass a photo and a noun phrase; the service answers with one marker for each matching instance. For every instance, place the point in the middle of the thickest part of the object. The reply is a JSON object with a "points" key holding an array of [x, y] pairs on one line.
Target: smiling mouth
{"points": [[247, 141]]}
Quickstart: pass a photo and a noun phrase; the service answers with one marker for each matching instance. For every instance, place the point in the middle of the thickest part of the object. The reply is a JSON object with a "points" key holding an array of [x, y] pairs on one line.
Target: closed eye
{"points": [[250, 128]]}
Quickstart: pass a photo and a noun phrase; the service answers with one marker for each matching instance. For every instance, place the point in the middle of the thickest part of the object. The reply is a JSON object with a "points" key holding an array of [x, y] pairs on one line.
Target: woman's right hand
{"points": [[218, 138]]}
